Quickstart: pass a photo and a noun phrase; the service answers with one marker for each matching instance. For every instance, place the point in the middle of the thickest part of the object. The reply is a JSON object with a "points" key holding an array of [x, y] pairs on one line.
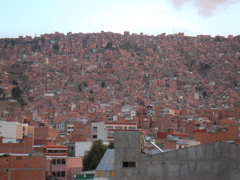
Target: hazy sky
{"points": [[193, 17]]}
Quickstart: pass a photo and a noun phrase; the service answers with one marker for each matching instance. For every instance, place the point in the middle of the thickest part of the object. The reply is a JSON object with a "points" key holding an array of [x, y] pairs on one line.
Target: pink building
{"points": [[64, 168]]}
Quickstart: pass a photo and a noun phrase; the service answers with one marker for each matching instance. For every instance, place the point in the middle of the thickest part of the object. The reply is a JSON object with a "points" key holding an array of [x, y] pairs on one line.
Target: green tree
{"points": [[16, 93], [111, 145], [103, 84], [92, 157]]}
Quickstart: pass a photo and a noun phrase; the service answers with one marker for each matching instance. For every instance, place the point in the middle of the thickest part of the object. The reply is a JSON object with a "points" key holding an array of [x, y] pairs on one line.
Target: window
{"points": [[58, 161], [129, 164], [110, 134], [63, 174], [94, 129], [131, 127], [109, 127], [94, 136], [118, 127], [58, 174], [63, 151]]}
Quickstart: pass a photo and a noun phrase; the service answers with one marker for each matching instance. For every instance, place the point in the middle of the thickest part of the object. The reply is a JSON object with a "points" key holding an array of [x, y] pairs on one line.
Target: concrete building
{"points": [[15, 130], [105, 131], [82, 147], [167, 111], [65, 126], [217, 160]]}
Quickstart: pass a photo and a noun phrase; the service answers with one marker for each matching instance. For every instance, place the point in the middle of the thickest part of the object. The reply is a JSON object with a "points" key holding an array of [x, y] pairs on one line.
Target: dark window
{"points": [[54, 161], [58, 161], [62, 173], [63, 161], [94, 136], [129, 164], [58, 174], [94, 129], [50, 151], [63, 151]]}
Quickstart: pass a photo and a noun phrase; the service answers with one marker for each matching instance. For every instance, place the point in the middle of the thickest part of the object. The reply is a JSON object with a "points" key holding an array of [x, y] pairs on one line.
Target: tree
{"points": [[103, 84], [80, 88], [14, 82], [92, 157], [111, 145], [16, 93]]}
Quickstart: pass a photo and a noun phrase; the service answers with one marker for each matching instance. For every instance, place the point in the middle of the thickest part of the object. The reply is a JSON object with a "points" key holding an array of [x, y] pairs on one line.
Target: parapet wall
{"points": [[217, 160]]}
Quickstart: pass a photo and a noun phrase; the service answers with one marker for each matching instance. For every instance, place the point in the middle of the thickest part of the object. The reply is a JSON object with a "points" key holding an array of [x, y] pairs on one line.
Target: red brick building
{"points": [[223, 134], [22, 167], [43, 135], [25, 146]]}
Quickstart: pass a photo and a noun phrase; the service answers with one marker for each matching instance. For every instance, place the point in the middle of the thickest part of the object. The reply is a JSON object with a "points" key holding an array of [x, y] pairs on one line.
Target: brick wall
{"points": [[22, 168], [231, 133]]}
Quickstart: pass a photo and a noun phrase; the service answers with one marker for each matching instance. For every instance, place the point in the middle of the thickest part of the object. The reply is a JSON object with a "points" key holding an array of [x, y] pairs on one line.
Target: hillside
{"points": [[58, 73]]}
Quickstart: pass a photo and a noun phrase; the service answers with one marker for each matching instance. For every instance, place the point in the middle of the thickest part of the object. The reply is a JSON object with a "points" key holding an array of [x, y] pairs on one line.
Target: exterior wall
{"points": [[71, 166], [218, 160], [70, 128], [24, 147], [22, 167], [9, 140], [81, 147], [44, 133], [167, 144], [230, 134], [30, 130], [19, 131], [99, 131], [8, 129], [105, 131]]}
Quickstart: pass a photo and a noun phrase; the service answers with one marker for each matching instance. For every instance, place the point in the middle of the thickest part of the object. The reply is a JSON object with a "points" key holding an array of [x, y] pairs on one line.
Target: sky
{"points": [[151, 17]]}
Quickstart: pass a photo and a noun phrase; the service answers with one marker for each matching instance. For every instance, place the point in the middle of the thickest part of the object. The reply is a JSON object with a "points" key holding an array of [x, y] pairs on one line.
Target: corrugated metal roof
{"points": [[107, 161]]}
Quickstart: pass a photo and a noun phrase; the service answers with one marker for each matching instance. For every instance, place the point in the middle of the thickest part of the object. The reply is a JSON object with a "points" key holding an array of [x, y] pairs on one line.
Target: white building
{"points": [[105, 131], [167, 111], [15, 130], [82, 147]]}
